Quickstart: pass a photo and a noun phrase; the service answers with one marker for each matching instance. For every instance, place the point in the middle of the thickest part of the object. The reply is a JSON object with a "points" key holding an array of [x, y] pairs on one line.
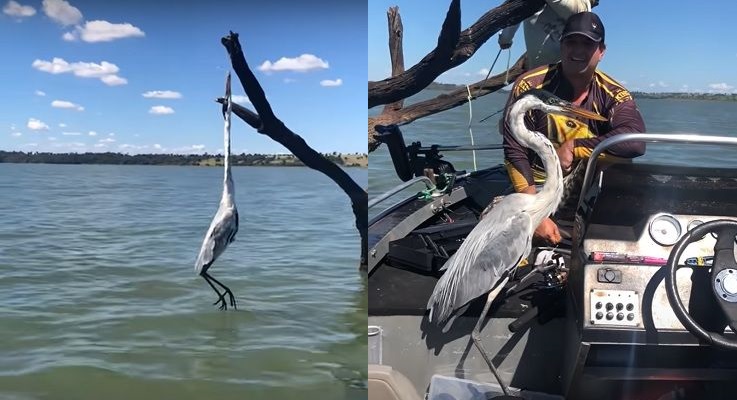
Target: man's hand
{"points": [[548, 230], [565, 155]]}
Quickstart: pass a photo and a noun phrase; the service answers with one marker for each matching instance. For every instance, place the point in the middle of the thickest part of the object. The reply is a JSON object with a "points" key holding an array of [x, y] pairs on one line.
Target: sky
{"points": [[652, 46], [142, 76]]}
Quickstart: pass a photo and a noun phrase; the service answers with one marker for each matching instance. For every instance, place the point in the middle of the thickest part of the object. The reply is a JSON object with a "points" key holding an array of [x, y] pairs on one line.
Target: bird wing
{"points": [[222, 232], [494, 246]]}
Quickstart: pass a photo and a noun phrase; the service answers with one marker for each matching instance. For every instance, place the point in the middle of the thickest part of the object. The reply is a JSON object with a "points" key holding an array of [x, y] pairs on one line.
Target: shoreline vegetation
{"points": [[635, 94], [202, 160]]}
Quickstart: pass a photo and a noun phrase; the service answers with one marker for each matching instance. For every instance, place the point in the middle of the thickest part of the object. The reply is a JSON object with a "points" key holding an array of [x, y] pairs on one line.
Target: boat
{"points": [[623, 309]]}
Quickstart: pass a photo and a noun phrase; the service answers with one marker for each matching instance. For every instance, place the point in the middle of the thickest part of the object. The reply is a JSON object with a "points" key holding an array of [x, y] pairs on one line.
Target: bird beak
{"points": [[227, 94], [575, 111]]}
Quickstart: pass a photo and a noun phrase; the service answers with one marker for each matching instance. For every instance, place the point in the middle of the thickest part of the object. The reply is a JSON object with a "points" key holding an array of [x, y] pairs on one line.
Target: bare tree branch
{"points": [[395, 50], [265, 122], [450, 53], [440, 103]]}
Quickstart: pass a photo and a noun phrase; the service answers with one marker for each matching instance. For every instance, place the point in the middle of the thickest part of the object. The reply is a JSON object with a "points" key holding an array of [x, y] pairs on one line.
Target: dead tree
{"points": [[454, 48], [265, 122]]}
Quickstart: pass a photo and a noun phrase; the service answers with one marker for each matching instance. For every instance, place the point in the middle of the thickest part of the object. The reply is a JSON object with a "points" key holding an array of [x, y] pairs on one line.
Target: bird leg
{"points": [[221, 296], [476, 334]]}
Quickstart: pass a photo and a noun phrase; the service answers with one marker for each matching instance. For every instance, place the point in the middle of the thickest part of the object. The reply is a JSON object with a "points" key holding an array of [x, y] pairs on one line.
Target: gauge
{"points": [[665, 230], [694, 224]]}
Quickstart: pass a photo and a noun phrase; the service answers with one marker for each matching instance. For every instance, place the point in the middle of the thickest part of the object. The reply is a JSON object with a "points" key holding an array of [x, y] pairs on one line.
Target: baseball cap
{"points": [[584, 23]]}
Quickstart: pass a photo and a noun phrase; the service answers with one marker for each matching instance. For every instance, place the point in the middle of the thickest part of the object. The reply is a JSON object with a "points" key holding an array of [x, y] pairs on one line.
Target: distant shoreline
{"points": [[358, 160], [635, 94]]}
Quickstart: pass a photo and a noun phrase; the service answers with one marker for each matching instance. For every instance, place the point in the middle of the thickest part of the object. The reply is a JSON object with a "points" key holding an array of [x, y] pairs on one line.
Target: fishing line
{"points": [[470, 131], [470, 108]]}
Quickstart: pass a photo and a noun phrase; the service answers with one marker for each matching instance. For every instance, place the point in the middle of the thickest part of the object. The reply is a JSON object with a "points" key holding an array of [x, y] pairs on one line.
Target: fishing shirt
{"points": [[606, 97]]}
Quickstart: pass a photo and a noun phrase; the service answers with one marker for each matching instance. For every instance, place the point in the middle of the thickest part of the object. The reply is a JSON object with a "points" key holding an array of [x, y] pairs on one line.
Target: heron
{"points": [[224, 225], [503, 238]]}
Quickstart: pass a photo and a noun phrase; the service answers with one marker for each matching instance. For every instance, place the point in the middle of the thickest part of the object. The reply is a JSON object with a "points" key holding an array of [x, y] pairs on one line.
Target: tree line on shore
{"points": [[346, 160]]}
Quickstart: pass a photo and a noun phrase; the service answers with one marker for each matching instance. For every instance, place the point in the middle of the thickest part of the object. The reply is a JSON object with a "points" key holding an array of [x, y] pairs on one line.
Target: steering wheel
{"points": [[723, 279]]}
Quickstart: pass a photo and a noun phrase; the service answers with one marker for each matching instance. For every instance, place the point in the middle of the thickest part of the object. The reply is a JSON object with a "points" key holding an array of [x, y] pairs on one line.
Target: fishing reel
{"points": [[415, 160], [548, 277], [552, 265]]}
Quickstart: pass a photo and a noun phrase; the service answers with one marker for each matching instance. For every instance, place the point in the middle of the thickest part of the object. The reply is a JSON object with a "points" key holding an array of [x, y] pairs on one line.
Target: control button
{"points": [[598, 305], [620, 306], [609, 315], [620, 316], [630, 317], [609, 275], [630, 307], [599, 315], [609, 306]]}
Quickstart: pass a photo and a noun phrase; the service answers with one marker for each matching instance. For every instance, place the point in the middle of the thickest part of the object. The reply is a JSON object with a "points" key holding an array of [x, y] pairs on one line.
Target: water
{"points": [[99, 299], [661, 115]]}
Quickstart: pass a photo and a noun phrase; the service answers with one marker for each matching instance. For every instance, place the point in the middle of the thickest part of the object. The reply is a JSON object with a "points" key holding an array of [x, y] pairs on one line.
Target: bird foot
{"points": [[222, 302], [223, 305], [232, 299]]}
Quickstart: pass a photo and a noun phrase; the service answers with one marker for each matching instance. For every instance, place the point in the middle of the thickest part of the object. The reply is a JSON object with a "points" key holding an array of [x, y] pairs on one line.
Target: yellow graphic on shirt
{"points": [[560, 129]]}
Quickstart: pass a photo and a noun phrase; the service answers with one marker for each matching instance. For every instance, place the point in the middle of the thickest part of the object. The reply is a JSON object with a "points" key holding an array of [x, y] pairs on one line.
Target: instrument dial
{"points": [[665, 230], [694, 224]]}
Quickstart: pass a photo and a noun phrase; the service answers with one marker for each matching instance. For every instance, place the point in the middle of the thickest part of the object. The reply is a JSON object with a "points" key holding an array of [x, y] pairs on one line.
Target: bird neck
{"points": [[549, 197], [228, 189]]}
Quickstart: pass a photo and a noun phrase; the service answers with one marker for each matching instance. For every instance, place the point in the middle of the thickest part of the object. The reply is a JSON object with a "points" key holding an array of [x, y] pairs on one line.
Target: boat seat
{"points": [[386, 383]]}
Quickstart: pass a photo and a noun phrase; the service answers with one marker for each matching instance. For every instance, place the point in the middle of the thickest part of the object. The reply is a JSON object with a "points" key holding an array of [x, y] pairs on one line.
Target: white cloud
{"points": [[113, 80], [66, 104], [71, 133], [157, 146], [62, 12], [52, 138], [15, 9], [104, 71], [198, 147], [303, 63], [16, 134], [40, 93], [289, 80], [69, 37], [36, 125], [103, 31], [483, 71], [161, 110], [107, 140], [331, 83], [722, 87], [162, 94], [92, 133], [62, 125], [241, 99]]}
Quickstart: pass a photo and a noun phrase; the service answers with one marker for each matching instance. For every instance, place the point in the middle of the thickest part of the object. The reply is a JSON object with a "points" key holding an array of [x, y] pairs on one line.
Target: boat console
{"points": [[638, 273]]}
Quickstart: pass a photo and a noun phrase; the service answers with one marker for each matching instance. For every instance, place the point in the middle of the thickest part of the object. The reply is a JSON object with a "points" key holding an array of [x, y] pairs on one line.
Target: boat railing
{"points": [[685, 138], [396, 189]]}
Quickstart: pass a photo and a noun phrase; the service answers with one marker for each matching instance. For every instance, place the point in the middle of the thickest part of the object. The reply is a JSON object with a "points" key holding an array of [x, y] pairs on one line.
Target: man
{"points": [[576, 79], [543, 30]]}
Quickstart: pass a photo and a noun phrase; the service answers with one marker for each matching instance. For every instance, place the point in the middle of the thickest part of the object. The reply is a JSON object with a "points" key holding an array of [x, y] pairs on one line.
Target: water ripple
{"points": [[99, 295]]}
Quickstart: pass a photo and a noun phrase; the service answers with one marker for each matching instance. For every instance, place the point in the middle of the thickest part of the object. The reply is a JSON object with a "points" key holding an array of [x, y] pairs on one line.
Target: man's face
{"points": [[580, 55]]}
